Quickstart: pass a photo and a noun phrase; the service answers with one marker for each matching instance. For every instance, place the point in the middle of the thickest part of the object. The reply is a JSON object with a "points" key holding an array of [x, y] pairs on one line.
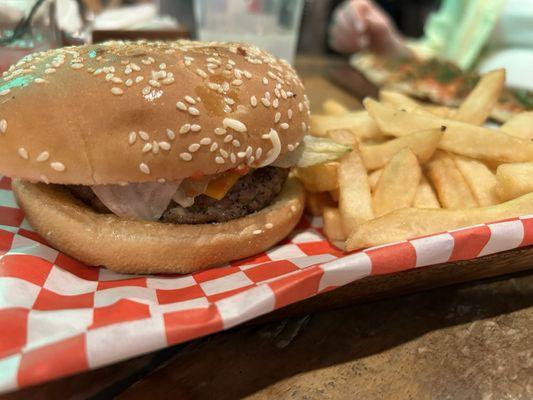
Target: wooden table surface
{"points": [[469, 341]]}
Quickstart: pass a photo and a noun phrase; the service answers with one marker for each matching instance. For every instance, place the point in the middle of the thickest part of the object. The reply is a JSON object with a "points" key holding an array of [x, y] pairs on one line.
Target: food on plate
{"points": [[514, 179], [320, 177], [439, 82], [359, 122], [425, 196], [449, 182], [398, 183], [426, 169], [159, 157], [333, 107], [409, 223], [316, 202]]}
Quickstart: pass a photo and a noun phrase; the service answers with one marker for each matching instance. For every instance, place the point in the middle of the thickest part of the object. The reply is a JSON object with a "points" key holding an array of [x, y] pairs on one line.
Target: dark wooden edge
{"points": [[414, 280], [352, 81]]}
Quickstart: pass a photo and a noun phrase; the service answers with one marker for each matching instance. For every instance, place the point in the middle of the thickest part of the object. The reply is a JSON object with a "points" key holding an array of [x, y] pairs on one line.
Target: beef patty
{"points": [[251, 193]]}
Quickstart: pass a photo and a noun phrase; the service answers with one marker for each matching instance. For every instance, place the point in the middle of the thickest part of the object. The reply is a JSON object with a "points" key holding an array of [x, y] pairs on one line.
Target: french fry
{"points": [[412, 222], [425, 195], [481, 181], [515, 179], [403, 102], [520, 126], [423, 144], [459, 137], [449, 183], [343, 136], [477, 106], [355, 201], [373, 178], [398, 183], [439, 111], [359, 122], [333, 224], [319, 177], [333, 107], [316, 202]]}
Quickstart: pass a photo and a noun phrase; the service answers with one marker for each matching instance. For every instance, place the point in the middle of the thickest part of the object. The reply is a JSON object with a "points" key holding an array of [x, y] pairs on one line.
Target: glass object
{"points": [[269, 24], [26, 26]]}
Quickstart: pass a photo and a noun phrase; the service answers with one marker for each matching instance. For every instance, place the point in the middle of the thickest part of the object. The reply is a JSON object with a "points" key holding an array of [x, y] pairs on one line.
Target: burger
{"points": [[157, 157]]}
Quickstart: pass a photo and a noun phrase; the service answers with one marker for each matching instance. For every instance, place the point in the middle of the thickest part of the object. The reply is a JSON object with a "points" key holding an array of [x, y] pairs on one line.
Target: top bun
{"points": [[147, 111]]}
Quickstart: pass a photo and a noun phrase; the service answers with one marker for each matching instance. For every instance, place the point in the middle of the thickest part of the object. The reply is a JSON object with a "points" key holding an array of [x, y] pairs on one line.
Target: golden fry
{"points": [[409, 223], [333, 224], [316, 202], [359, 122], [319, 177], [459, 137], [333, 107], [477, 106], [520, 126], [425, 195], [423, 144], [515, 179], [449, 183], [481, 181], [373, 178], [398, 183]]}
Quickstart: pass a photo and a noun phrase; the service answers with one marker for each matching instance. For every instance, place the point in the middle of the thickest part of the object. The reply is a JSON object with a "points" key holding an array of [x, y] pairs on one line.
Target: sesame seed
{"points": [[290, 147], [269, 225], [236, 82], [185, 128], [257, 232], [289, 113], [219, 160], [57, 166], [265, 81], [170, 134], [161, 180], [40, 80], [190, 100], [241, 154], [253, 101], [139, 79], [247, 74], [145, 169], [227, 109], [249, 151], [234, 124], [236, 143], [132, 138], [162, 66], [43, 156], [220, 131], [258, 152], [186, 156], [304, 126], [116, 79], [214, 147], [213, 86], [300, 106], [201, 73], [265, 102], [205, 141], [277, 117], [146, 90], [229, 100], [195, 128], [267, 95], [135, 67], [164, 145], [117, 91], [233, 158], [277, 92], [23, 153], [193, 111], [275, 103], [154, 83], [3, 126], [128, 70], [224, 153], [272, 75], [228, 138], [155, 147], [49, 71], [147, 147], [194, 147], [76, 66], [284, 125], [109, 76], [129, 82], [144, 136], [181, 106], [4, 92]]}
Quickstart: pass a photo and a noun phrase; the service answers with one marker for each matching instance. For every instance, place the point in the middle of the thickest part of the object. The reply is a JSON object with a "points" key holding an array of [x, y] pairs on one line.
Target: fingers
{"points": [[348, 31]]}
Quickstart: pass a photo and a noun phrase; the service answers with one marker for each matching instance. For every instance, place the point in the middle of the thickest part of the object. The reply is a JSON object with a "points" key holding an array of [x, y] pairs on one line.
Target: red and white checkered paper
{"points": [[59, 317]]}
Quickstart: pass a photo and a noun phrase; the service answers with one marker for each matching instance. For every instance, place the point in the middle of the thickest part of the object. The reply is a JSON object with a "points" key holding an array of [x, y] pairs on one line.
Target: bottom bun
{"points": [[142, 247]]}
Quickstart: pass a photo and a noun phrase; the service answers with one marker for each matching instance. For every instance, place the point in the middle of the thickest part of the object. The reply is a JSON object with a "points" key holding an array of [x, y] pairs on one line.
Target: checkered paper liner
{"points": [[59, 317]]}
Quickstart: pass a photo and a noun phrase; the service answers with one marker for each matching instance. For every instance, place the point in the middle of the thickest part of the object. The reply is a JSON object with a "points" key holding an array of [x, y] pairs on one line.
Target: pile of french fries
{"points": [[418, 169]]}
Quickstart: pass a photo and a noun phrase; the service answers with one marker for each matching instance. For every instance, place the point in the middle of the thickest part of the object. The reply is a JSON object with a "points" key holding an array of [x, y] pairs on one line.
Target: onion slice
{"points": [[146, 201]]}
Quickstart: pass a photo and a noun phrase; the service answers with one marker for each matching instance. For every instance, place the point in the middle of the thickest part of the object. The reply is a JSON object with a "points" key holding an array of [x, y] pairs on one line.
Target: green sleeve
{"points": [[460, 28]]}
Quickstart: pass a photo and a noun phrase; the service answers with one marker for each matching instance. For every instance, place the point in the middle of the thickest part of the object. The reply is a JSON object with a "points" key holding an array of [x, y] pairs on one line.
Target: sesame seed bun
{"points": [[140, 247], [139, 112]]}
